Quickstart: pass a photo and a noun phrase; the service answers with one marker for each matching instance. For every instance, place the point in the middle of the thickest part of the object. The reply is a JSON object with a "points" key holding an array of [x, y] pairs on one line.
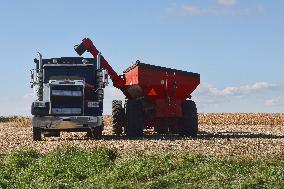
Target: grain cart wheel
{"points": [[189, 120], [161, 130], [36, 134], [135, 118], [118, 115], [173, 130]]}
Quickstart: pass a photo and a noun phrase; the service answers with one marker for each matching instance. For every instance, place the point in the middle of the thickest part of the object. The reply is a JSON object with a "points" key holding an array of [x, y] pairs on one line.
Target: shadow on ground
{"points": [[201, 136]]}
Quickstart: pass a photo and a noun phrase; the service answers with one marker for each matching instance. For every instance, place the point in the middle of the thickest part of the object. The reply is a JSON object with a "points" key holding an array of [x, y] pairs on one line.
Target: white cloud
{"points": [[247, 89], [278, 101], [227, 2], [208, 89], [189, 9], [26, 97], [245, 98]]}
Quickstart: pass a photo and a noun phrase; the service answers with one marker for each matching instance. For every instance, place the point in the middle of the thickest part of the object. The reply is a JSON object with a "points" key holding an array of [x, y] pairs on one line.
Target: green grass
{"points": [[105, 168]]}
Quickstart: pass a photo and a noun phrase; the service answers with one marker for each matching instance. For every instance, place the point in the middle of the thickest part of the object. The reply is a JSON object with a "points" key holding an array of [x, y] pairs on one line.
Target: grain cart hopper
{"points": [[69, 96], [156, 97]]}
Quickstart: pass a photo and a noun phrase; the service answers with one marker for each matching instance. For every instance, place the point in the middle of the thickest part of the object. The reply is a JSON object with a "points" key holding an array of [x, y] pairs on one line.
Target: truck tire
{"points": [[118, 115], [51, 134], [95, 132], [189, 120], [135, 118], [36, 134]]}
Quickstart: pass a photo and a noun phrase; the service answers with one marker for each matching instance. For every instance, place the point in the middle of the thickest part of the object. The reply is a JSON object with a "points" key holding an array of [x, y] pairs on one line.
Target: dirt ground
{"points": [[221, 140]]}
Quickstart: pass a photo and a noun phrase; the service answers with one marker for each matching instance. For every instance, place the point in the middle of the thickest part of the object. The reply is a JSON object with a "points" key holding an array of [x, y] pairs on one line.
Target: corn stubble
{"points": [[225, 134], [241, 119]]}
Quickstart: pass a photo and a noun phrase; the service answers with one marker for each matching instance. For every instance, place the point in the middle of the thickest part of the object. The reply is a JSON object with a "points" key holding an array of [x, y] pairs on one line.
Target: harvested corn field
{"points": [[219, 134], [241, 119]]}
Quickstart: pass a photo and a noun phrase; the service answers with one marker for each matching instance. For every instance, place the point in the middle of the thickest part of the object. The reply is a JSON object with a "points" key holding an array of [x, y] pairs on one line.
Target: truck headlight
{"points": [[39, 104]]}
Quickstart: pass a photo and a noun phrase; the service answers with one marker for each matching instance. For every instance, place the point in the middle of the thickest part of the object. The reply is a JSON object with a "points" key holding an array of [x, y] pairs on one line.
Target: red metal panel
{"points": [[159, 84], [131, 77], [165, 108], [165, 88]]}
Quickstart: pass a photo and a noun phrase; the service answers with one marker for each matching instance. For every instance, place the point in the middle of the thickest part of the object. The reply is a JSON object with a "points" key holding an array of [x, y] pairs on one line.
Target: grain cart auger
{"points": [[156, 97]]}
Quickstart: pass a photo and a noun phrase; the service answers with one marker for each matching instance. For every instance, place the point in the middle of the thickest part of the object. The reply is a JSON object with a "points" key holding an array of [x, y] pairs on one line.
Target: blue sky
{"points": [[236, 45]]}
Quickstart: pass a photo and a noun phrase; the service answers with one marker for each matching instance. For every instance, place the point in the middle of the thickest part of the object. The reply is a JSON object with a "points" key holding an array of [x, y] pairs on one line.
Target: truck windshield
{"points": [[70, 72]]}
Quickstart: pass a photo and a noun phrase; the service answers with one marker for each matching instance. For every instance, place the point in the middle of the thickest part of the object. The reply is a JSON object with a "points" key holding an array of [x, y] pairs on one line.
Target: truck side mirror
{"points": [[32, 78]]}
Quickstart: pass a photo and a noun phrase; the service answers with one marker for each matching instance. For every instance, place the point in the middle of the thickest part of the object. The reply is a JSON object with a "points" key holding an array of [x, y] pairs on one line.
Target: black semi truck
{"points": [[69, 94]]}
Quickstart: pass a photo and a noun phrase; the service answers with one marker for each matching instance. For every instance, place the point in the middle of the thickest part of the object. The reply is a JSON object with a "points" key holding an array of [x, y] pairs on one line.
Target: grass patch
{"points": [[106, 168]]}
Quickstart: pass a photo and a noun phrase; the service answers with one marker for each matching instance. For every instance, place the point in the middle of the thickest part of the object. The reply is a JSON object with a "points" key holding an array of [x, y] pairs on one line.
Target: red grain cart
{"points": [[156, 97]]}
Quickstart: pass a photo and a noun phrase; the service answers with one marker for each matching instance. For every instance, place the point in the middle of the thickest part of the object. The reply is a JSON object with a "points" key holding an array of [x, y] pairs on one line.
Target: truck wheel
{"points": [[36, 134], [189, 120], [57, 134], [117, 117], [51, 134], [95, 132], [135, 118]]}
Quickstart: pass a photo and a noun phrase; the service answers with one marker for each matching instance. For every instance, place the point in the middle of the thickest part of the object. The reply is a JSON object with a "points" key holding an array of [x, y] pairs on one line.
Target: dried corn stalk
{"points": [[17, 121]]}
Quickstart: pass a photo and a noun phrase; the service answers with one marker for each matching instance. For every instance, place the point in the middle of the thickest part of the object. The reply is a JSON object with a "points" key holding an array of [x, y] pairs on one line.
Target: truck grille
{"points": [[66, 93], [67, 100]]}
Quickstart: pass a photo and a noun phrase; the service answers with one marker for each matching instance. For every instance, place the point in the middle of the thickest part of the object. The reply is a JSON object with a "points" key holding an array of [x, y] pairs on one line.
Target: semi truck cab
{"points": [[69, 94]]}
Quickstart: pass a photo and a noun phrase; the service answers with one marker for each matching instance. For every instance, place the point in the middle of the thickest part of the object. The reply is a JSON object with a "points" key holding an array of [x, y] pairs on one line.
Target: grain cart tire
{"points": [[189, 120], [118, 115], [36, 134], [162, 130], [135, 118], [173, 130]]}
